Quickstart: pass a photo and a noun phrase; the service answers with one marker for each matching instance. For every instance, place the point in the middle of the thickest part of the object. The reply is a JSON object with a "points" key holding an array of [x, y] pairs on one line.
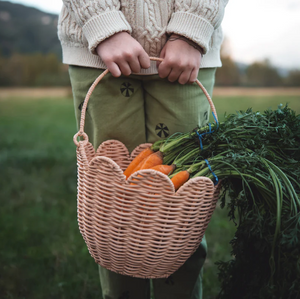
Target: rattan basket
{"points": [[138, 227]]}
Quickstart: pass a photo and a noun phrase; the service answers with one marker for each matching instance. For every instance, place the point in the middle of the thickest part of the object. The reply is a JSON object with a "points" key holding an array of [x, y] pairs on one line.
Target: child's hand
{"points": [[122, 54], [181, 62]]}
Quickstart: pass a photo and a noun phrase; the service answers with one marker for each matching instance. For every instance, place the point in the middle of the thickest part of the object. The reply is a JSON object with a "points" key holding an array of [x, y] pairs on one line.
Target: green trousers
{"points": [[135, 110]]}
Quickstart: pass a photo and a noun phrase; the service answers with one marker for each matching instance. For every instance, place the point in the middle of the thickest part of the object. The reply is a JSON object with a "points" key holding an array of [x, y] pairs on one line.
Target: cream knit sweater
{"points": [[83, 24]]}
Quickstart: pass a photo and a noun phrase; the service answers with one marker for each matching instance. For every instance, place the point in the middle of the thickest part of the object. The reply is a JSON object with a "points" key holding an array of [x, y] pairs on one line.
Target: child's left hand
{"points": [[181, 61]]}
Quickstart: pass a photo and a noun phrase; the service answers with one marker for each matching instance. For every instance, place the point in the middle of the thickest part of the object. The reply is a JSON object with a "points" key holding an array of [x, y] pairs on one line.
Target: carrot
{"points": [[136, 161], [180, 178], [166, 169], [139, 165], [151, 161]]}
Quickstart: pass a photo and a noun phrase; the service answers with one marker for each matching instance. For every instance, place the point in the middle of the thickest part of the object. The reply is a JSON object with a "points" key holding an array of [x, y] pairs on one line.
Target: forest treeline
{"points": [[34, 70], [258, 74], [47, 70]]}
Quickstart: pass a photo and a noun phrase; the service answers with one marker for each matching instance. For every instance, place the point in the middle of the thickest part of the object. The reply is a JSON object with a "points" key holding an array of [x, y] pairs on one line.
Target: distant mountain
{"points": [[27, 30]]}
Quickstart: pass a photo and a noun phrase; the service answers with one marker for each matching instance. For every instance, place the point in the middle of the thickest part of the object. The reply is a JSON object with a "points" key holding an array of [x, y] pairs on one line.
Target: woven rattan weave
{"points": [[138, 227]]}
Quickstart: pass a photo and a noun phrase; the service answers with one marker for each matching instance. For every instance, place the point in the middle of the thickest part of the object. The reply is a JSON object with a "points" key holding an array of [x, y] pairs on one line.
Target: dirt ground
{"points": [[58, 92], [244, 91], [35, 93]]}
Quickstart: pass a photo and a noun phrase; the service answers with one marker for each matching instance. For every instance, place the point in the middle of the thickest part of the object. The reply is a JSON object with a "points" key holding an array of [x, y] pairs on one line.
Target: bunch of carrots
{"points": [[257, 157], [149, 159], [221, 151]]}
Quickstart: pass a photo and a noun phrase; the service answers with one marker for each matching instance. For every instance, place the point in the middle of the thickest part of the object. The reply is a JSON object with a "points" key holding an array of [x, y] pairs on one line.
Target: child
{"points": [[141, 100]]}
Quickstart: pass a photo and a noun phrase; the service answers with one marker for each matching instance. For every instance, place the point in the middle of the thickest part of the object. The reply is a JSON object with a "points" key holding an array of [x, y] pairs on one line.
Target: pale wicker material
{"points": [[138, 227]]}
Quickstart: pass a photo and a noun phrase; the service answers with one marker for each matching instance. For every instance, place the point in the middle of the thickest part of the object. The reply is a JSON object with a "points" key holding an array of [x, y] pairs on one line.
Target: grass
{"points": [[42, 254], [258, 103]]}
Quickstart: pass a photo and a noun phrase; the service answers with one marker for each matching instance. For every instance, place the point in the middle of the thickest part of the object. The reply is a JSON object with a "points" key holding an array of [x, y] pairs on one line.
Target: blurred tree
{"points": [[229, 74], [33, 70], [30, 52], [293, 78], [262, 73]]}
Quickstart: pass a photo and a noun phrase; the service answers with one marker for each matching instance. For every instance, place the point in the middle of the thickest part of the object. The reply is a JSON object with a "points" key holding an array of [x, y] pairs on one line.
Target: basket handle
{"points": [[91, 89]]}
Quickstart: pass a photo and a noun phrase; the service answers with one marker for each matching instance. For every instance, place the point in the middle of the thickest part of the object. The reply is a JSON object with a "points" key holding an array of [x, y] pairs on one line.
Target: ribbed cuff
{"points": [[103, 26], [193, 27]]}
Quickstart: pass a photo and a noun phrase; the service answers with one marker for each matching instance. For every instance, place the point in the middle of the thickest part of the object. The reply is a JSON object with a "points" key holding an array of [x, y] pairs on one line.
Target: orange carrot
{"points": [[166, 169], [180, 178], [139, 165], [152, 160], [136, 161]]}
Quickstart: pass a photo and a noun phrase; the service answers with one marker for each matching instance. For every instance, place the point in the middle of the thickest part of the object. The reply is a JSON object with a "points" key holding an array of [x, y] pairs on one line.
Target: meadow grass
{"points": [[225, 105], [42, 254]]}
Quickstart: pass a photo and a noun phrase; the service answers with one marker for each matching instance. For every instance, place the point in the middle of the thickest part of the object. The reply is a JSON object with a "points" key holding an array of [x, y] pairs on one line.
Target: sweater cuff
{"points": [[103, 26], [192, 27]]}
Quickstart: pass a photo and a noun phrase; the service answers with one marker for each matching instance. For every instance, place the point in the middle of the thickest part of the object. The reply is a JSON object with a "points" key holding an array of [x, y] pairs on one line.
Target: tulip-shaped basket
{"points": [[140, 226]]}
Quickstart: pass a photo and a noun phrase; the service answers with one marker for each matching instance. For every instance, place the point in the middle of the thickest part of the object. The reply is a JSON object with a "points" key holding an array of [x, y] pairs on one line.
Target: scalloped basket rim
{"points": [[146, 171]]}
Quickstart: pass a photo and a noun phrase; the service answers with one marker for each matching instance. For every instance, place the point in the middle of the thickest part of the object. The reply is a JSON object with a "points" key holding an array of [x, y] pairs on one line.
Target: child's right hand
{"points": [[122, 54]]}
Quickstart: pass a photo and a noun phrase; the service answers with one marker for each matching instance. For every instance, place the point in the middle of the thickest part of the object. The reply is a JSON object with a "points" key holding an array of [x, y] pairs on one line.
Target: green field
{"points": [[42, 254]]}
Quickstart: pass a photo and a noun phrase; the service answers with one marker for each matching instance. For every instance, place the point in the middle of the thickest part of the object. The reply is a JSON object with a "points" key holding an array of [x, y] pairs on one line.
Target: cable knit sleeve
{"points": [[99, 19], [197, 19]]}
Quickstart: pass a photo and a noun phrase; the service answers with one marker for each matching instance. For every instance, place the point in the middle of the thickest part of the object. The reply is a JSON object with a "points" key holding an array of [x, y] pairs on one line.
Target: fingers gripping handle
{"points": [[93, 86]]}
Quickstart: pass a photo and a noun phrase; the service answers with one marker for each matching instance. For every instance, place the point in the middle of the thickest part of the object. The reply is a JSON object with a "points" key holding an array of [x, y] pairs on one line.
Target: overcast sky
{"points": [[255, 29]]}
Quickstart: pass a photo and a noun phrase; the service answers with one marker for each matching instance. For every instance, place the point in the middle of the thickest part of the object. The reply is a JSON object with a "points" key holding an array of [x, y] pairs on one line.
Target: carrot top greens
{"points": [[257, 158]]}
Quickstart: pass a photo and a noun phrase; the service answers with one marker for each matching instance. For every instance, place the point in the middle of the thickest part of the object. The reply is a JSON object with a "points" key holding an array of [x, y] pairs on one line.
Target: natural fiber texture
{"points": [[138, 227]]}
